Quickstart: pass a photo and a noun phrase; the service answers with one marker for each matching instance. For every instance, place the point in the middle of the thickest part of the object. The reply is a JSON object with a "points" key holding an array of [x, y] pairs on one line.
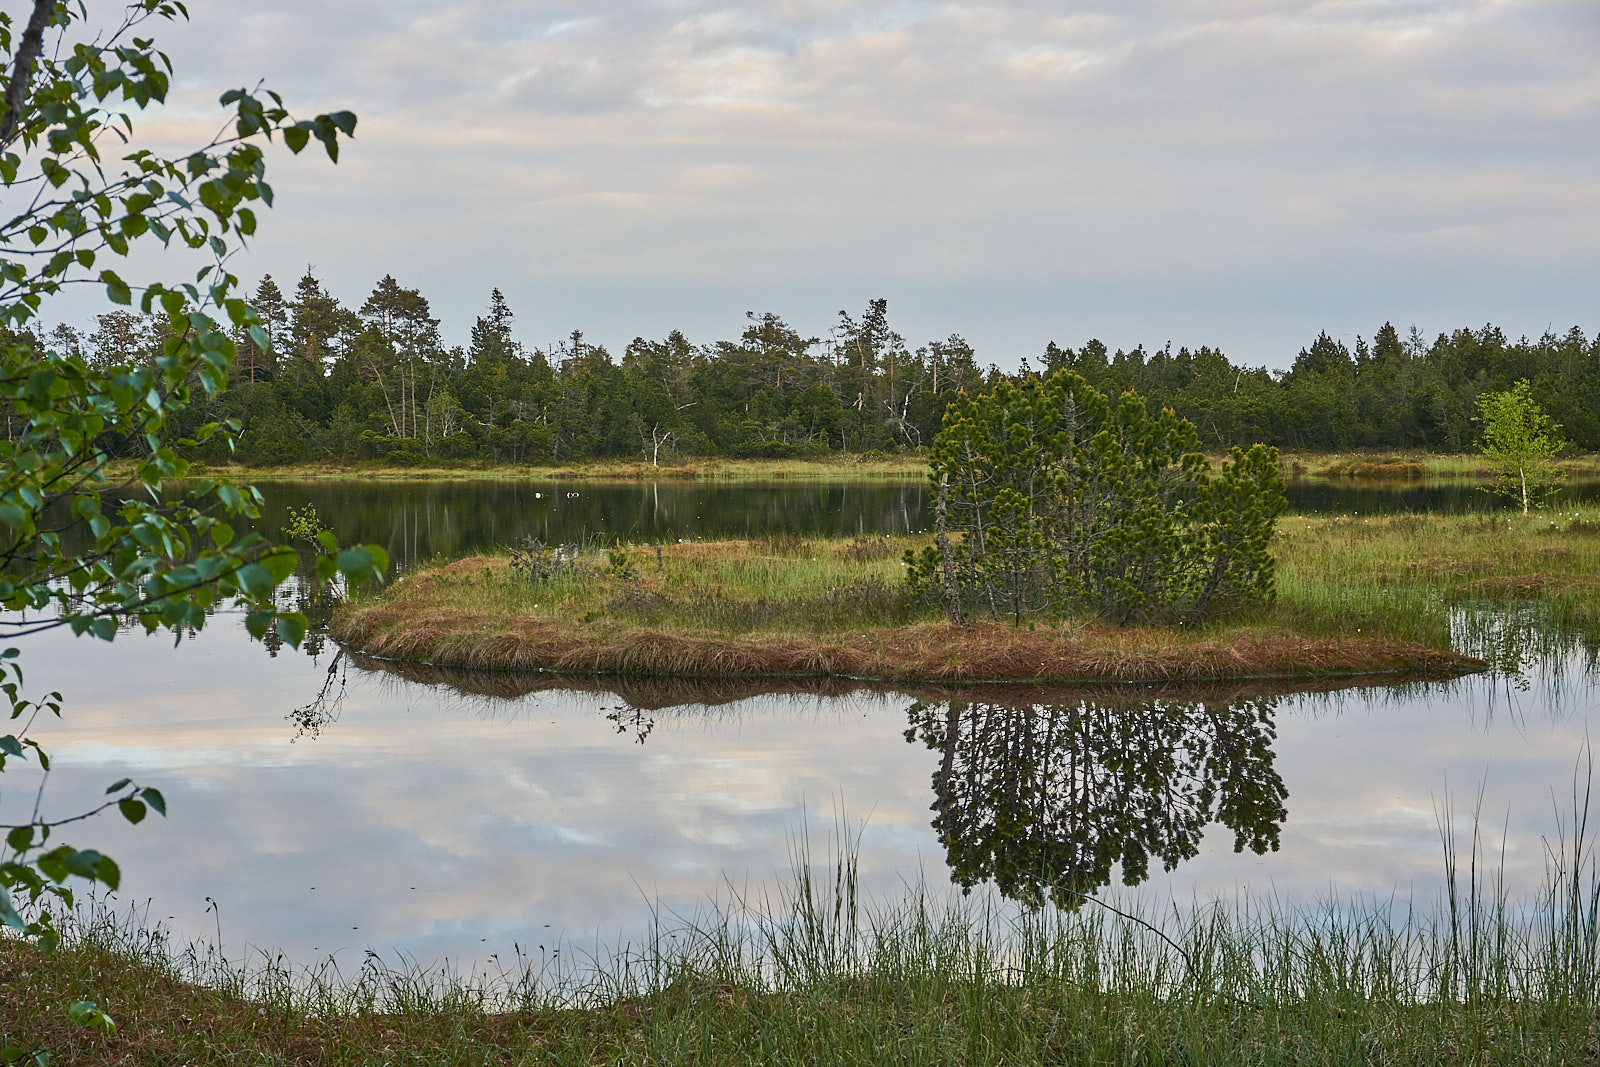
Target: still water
{"points": [[323, 805], [414, 520]]}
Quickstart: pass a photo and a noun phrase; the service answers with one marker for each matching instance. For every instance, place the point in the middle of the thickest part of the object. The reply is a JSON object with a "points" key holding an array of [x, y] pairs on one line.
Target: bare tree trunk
{"points": [[952, 588]]}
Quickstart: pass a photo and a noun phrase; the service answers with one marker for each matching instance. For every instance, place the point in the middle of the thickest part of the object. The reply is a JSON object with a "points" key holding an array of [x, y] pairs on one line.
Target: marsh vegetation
{"points": [[1354, 593]]}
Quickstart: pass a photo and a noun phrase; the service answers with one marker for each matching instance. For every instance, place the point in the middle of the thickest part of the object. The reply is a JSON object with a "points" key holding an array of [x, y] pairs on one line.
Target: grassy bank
{"points": [[1355, 595], [1413, 466], [1424, 577], [906, 467], [820, 976], [910, 466]]}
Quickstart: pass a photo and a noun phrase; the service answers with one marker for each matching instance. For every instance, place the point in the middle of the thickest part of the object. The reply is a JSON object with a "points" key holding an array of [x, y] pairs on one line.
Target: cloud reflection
{"points": [[442, 823]]}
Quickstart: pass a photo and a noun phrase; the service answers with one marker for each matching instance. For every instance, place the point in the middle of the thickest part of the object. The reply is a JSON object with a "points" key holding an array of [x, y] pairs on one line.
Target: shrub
{"points": [[535, 561], [1051, 498]]}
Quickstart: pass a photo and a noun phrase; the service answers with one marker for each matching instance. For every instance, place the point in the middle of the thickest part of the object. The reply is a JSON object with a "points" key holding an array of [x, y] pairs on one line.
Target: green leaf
{"points": [[88, 1014], [117, 290], [132, 810], [281, 563], [106, 871], [291, 626], [256, 580], [153, 797], [363, 563]]}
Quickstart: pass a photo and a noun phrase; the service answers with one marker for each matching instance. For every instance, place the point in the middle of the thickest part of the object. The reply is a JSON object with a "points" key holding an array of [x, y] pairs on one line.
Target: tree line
{"points": [[377, 382]]}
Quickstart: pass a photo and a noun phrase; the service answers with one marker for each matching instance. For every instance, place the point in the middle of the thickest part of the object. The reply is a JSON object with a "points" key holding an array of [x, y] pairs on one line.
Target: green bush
{"points": [[1053, 499]]}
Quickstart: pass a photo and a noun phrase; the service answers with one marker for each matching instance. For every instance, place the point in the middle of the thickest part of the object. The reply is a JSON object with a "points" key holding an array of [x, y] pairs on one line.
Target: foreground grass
{"points": [[1355, 595], [821, 977]]}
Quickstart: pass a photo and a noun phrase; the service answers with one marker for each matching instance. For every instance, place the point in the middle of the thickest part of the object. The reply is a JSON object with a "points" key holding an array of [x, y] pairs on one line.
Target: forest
{"points": [[375, 382]]}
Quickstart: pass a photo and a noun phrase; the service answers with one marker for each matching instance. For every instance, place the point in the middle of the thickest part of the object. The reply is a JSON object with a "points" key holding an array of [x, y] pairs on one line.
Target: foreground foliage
{"points": [[78, 548]]}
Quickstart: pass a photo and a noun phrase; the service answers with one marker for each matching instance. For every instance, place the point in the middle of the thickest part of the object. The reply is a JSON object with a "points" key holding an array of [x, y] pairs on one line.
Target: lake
{"points": [[417, 519], [427, 816]]}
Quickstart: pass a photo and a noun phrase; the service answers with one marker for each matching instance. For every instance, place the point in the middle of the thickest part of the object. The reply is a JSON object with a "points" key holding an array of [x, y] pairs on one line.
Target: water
{"points": [[414, 520], [429, 815]]}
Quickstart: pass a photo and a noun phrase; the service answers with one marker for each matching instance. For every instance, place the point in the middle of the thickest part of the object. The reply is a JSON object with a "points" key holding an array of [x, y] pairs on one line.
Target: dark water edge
{"points": [[422, 519]]}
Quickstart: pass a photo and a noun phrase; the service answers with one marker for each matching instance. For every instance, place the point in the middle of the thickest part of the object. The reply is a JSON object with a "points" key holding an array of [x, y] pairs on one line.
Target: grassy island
{"points": [[1356, 595]]}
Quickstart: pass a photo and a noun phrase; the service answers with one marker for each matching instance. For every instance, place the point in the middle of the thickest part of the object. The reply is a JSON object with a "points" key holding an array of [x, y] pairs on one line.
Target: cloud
{"points": [[816, 154]]}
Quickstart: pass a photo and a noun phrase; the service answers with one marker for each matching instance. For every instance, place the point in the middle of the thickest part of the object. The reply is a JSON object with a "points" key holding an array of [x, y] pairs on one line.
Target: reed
{"points": [[814, 973]]}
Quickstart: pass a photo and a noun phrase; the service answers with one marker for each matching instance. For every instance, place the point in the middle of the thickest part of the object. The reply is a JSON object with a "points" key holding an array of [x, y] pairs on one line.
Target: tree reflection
{"points": [[324, 708], [1045, 799]]}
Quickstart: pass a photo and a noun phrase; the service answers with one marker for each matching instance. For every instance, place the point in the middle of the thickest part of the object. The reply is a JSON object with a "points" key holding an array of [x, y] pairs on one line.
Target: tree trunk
{"points": [[952, 589], [28, 50]]}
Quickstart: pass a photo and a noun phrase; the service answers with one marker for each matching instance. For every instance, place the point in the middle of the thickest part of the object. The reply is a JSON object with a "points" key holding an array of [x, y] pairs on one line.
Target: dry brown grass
{"points": [[1527, 586], [906, 467], [1387, 467]]}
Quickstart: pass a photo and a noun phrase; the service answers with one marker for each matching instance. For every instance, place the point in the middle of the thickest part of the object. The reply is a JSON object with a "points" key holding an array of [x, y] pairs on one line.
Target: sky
{"points": [[1239, 173]]}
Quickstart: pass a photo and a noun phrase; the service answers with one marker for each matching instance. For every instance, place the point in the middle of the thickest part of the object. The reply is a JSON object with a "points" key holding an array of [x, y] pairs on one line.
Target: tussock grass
{"points": [[816, 974], [1412, 466], [1375, 467]]}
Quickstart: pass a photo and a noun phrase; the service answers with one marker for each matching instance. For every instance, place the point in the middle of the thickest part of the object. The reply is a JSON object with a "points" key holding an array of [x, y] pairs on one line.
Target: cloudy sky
{"points": [[1241, 173]]}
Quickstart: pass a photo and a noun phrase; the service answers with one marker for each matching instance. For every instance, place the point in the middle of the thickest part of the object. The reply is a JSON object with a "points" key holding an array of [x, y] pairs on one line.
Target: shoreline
{"points": [[658, 693], [1376, 467]]}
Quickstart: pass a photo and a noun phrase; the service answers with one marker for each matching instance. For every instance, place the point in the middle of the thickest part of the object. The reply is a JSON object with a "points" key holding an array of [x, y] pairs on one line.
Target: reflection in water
{"points": [[418, 520], [460, 819], [1045, 799], [631, 720], [322, 709], [1521, 640]]}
